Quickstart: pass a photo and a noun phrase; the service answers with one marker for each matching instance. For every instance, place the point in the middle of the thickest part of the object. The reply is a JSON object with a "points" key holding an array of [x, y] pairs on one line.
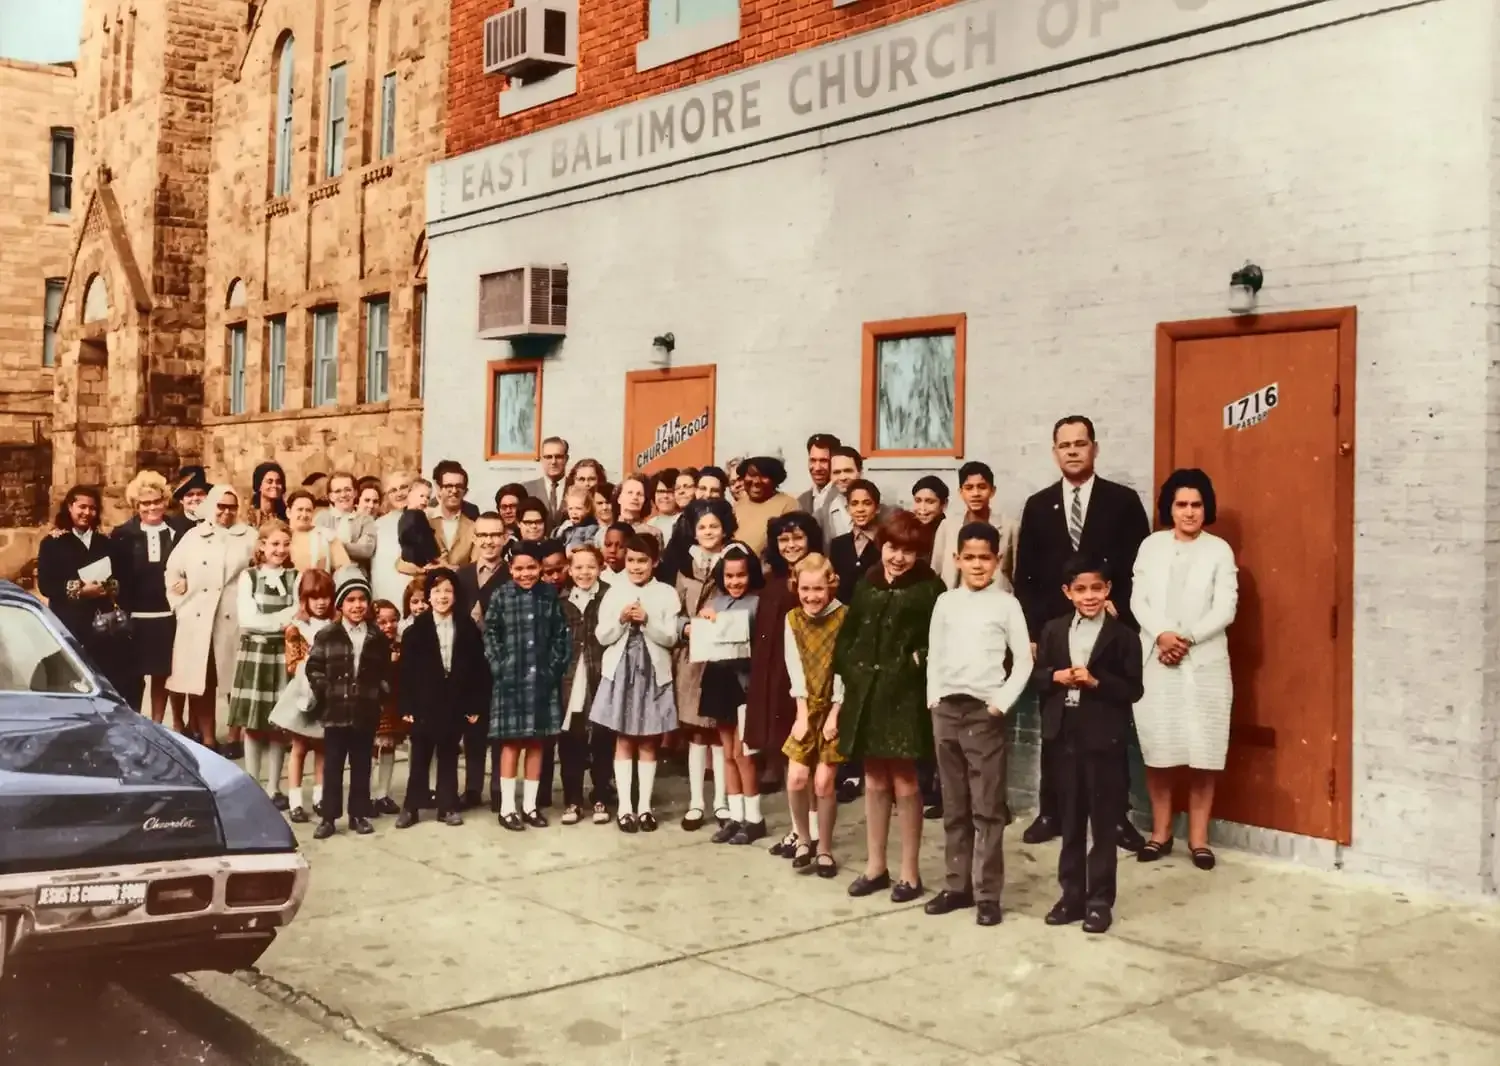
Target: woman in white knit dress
{"points": [[1186, 589]]}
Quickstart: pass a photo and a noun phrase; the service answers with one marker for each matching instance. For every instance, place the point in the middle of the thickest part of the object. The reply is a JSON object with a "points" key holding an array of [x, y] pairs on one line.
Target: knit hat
{"points": [[349, 579], [934, 484]]}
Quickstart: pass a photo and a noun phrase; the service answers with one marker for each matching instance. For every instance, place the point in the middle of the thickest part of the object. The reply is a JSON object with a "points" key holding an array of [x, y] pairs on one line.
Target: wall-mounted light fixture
{"points": [[662, 348], [1244, 285]]}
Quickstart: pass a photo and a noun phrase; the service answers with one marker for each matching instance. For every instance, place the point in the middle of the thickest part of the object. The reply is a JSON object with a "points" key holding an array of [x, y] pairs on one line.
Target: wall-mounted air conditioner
{"points": [[529, 301], [533, 39]]}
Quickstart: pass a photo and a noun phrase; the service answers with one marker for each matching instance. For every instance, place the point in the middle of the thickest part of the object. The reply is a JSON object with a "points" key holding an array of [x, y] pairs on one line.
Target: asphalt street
{"points": [[159, 1024]]}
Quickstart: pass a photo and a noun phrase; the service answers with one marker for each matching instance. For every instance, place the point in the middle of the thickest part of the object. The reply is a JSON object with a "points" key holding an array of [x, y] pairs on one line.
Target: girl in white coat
{"points": [[202, 576], [1185, 594]]}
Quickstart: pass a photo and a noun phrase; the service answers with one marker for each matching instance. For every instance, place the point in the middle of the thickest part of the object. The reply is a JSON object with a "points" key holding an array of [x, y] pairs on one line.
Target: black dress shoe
{"points": [[512, 821], [1040, 831], [1129, 838], [361, 826], [847, 791], [692, 821], [749, 833], [325, 830], [318, 808], [451, 818], [905, 891], [647, 822], [1064, 912], [1154, 850], [1203, 858], [234, 750], [933, 811], [406, 819], [280, 802], [988, 912], [868, 886], [1098, 919], [726, 832], [626, 822], [298, 816], [947, 901], [536, 819], [386, 805]]}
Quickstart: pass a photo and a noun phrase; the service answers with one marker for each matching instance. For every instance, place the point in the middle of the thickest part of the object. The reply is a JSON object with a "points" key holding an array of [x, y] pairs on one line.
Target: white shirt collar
{"points": [[581, 598], [1084, 496], [87, 536]]}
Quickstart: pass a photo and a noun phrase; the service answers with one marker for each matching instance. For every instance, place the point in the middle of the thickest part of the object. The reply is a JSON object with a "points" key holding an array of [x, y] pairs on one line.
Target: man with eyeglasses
{"points": [[549, 487], [454, 529], [354, 530], [477, 582]]}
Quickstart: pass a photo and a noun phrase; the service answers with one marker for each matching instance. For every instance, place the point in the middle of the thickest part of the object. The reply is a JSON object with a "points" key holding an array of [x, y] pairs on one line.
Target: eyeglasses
{"points": [[452, 486], [228, 507], [488, 536]]}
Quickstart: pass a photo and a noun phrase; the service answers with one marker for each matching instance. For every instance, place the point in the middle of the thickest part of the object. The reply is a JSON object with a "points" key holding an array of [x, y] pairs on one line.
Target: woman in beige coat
{"points": [[202, 578]]}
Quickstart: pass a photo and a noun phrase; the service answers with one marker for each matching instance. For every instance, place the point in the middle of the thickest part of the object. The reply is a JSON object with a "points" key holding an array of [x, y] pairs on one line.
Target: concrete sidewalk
{"points": [[584, 946]]}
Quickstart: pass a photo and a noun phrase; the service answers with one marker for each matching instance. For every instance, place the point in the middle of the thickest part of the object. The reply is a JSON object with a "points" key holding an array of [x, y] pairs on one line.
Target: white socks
{"points": [[529, 789], [812, 828], [255, 752], [507, 796], [752, 809], [318, 792], [383, 771], [624, 778], [697, 770], [721, 794], [277, 755], [736, 806], [646, 771]]}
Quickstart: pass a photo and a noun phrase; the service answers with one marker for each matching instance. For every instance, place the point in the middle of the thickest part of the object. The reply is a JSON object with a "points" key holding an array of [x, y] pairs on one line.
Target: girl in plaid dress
{"points": [[267, 600], [390, 734]]}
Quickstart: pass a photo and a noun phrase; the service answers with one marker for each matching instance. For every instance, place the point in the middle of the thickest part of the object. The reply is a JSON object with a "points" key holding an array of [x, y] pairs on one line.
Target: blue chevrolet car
{"points": [[123, 846]]}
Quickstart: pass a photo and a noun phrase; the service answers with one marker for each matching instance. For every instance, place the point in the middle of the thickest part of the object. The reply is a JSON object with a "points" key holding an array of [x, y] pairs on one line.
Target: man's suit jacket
{"points": [[1104, 712], [470, 592], [1113, 528], [849, 565], [361, 542], [538, 489]]}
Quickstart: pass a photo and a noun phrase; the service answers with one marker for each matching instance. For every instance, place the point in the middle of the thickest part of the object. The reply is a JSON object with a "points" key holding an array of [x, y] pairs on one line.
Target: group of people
{"points": [[829, 644]]}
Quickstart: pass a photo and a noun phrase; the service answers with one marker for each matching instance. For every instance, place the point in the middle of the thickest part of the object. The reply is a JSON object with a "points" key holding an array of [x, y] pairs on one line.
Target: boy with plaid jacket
{"points": [[348, 671]]}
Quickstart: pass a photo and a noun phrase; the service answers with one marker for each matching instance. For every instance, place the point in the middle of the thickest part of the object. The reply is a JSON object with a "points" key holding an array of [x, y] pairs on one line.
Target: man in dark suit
{"points": [[549, 487], [477, 582], [1081, 513], [1088, 673]]}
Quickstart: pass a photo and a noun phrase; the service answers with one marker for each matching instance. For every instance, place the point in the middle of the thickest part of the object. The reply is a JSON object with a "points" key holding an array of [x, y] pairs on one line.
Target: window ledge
{"points": [[323, 192], [523, 96], [675, 44], [844, 3], [281, 205], [378, 172], [913, 462], [304, 414]]}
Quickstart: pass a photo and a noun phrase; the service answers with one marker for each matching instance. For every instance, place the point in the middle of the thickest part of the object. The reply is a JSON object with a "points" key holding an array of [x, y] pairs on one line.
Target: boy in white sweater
{"points": [[969, 691]]}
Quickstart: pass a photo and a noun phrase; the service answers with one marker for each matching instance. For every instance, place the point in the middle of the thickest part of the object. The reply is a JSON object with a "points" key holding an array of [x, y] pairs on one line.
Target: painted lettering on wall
{"points": [[669, 435], [961, 47]]}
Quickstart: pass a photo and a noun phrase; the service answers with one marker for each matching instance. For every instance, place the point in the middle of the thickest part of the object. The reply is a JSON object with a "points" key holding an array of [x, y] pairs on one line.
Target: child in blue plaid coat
{"points": [[529, 646]]}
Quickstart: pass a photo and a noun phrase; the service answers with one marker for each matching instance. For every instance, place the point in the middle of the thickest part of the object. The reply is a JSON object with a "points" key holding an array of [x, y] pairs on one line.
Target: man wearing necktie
{"points": [[1080, 513], [549, 487]]}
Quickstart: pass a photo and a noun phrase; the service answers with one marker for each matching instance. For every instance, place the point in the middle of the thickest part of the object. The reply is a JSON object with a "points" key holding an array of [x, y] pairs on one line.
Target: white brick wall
{"points": [[1353, 163]]}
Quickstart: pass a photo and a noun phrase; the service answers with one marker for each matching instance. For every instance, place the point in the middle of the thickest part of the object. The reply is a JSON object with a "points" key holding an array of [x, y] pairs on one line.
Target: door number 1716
{"points": [[1248, 410]]}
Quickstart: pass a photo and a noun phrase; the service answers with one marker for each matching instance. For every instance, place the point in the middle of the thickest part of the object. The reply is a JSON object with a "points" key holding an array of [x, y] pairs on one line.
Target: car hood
{"points": [[85, 781]]}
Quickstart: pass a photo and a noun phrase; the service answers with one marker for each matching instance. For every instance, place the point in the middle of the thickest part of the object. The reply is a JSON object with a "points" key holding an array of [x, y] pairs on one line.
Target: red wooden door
{"points": [[669, 418], [1265, 412]]}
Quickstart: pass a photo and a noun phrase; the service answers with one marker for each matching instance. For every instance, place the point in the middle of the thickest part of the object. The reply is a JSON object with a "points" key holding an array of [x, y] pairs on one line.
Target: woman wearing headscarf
{"points": [[267, 495], [79, 591], [388, 582], [142, 546], [1185, 593], [762, 500], [202, 581]]}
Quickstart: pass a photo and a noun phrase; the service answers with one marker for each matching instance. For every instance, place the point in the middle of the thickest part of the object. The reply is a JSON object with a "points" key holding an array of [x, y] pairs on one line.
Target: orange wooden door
{"points": [[1262, 413], [669, 418]]}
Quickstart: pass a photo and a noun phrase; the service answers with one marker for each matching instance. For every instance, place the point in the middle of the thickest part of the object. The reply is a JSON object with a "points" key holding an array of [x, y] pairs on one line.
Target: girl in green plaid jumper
{"points": [[267, 602]]}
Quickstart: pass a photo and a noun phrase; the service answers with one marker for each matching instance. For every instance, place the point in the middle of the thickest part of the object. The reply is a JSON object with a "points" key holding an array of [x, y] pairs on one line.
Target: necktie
{"points": [[552, 497], [1075, 517]]}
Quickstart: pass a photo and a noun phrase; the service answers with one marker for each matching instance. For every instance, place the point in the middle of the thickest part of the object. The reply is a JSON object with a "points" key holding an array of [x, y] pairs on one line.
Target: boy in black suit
{"points": [[1088, 672]]}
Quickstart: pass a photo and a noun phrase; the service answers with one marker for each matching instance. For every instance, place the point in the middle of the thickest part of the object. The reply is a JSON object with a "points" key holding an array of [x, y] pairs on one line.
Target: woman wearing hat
{"points": [[762, 501], [192, 487], [202, 579]]}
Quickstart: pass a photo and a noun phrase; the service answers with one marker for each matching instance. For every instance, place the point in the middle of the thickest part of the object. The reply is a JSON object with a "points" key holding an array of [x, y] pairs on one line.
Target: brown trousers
{"points": [[971, 762]]}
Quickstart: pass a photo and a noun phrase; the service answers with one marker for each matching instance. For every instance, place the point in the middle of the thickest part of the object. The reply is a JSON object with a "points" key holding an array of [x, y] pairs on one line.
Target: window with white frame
{"points": [[681, 28], [325, 368], [60, 199], [388, 116], [276, 364], [237, 369], [282, 180], [338, 120], [51, 316], [377, 349]]}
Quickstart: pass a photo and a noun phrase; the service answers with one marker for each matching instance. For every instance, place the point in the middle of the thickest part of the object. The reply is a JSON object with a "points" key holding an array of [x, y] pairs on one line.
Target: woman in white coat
{"points": [[202, 577], [1186, 590]]}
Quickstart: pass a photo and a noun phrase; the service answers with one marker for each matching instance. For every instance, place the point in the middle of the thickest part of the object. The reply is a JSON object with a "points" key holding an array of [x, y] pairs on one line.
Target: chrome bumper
{"points": [[214, 936]]}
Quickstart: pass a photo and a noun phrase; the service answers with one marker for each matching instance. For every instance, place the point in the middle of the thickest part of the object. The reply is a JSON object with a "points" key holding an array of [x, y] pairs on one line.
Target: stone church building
{"points": [[247, 271]]}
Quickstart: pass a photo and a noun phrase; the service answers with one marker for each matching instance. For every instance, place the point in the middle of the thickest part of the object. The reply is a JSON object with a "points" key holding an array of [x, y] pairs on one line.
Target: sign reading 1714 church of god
{"points": [[966, 46]]}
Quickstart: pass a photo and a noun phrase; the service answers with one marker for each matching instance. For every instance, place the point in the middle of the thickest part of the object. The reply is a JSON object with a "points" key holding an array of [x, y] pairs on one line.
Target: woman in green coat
{"points": [[882, 658]]}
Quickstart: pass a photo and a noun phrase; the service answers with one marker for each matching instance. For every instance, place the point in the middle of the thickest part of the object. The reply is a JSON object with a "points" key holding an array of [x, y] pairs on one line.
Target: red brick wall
{"points": [[607, 35]]}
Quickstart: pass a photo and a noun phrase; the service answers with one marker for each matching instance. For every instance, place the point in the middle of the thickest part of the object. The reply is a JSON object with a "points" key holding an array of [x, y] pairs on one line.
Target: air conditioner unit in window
{"points": [[533, 39], [529, 301]]}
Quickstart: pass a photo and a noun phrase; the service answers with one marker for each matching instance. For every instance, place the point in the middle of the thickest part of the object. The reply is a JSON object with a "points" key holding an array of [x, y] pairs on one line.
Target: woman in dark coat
{"points": [[438, 701], [770, 709], [76, 542], [882, 658], [141, 547]]}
